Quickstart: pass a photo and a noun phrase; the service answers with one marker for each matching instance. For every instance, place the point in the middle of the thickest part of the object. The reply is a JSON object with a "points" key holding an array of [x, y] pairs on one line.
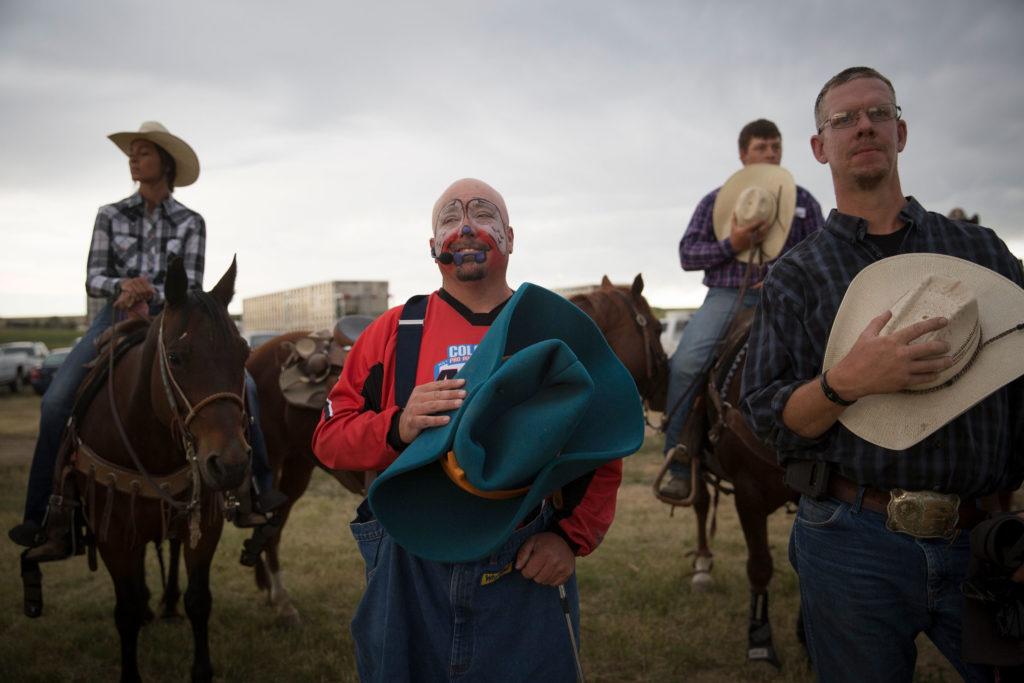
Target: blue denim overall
{"points": [[421, 620]]}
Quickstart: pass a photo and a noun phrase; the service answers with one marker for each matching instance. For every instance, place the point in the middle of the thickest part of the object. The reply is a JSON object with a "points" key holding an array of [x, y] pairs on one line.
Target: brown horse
{"points": [[178, 396], [288, 431], [622, 314], [731, 453], [628, 324]]}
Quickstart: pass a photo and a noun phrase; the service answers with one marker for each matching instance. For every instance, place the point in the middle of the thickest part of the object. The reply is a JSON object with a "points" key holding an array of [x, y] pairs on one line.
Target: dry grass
{"points": [[641, 621]]}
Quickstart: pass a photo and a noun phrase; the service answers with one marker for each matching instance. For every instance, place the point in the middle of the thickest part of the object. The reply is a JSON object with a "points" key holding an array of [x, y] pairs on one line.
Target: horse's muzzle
{"points": [[226, 469]]}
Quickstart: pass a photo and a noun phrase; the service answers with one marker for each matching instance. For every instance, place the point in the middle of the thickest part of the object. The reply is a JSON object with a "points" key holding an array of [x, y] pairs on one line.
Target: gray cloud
{"points": [[602, 123]]}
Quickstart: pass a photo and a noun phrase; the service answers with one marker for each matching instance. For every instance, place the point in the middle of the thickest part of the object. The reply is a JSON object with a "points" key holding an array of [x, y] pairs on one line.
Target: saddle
{"points": [[731, 357], [709, 420], [314, 362]]}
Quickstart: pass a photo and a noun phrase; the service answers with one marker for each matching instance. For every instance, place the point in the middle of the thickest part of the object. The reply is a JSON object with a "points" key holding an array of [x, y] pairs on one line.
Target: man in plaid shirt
{"points": [[760, 142], [132, 244]]}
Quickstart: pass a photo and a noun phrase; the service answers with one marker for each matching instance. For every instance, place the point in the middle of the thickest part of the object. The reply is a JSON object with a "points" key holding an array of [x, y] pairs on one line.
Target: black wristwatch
{"points": [[831, 394]]}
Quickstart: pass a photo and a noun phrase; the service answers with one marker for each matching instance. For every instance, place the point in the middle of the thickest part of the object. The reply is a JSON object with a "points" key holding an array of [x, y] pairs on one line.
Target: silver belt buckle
{"points": [[923, 514]]}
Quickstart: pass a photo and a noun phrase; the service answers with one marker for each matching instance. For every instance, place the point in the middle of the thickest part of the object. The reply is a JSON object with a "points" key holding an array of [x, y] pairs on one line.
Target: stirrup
{"points": [[253, 547], [59, 528], [674, 454]]}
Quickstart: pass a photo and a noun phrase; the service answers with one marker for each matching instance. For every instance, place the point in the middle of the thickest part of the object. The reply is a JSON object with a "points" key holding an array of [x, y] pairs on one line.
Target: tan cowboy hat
{"points": [[980, 305], [754, 193], [185, 158]]}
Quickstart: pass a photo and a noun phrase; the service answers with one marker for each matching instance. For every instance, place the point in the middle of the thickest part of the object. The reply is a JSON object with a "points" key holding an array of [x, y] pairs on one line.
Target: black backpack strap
{"points": [[407, 346]]}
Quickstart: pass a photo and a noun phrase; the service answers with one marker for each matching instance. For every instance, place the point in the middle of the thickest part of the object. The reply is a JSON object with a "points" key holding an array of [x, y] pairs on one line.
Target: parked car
{"points": [[256, 338], [672, 329], [17, 359], [42, 376]]}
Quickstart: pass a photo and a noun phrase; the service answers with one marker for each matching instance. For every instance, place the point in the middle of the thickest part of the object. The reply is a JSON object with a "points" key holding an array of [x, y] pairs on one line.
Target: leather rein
{"points": [[180, 426], [650, 362]]}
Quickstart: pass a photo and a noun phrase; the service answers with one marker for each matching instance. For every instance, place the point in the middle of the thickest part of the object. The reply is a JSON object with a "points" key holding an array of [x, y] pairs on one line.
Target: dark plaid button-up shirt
{"points": [[975, 454], [699, 249], [127, 243]]}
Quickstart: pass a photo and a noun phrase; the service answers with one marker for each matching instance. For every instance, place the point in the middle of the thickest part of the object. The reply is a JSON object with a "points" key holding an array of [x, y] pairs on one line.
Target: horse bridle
{"points": [[645, 330], [170, 385]]}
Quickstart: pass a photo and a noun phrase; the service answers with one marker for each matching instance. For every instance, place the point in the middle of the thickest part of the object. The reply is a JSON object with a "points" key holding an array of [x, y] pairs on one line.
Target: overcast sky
{"points": [[326, 130]]}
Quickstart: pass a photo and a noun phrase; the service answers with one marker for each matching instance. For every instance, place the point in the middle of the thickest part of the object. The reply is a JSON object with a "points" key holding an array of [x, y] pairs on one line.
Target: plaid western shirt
{"points": [[699, 249], [975, 454], [127, 243]]}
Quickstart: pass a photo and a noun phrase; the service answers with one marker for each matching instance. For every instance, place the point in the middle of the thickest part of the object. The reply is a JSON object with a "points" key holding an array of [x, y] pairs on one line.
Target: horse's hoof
{"points": [[288, 618], [764, 654], [702, 581]]}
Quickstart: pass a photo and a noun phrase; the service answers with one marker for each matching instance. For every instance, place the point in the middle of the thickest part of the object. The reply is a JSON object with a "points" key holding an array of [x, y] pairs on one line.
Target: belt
{"points": [[877, 500]]}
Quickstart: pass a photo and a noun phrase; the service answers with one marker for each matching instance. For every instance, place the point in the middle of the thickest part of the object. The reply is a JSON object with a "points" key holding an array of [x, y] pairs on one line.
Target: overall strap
{"points": [[407, 346]]}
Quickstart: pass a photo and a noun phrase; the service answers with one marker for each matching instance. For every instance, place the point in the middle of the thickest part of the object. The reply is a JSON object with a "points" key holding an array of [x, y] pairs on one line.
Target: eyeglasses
{"points": [[846, 119]]}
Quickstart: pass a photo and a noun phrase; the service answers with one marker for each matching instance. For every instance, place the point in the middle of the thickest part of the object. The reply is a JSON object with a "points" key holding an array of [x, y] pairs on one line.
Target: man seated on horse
{"points": [[366, 426], [727, 271], [917, 413], [132, 243]]}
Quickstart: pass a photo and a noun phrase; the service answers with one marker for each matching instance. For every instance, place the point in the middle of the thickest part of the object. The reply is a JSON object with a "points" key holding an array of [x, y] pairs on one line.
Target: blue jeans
{"points": [[693, 356], [477, 621], [59, 400], [867, 592], [55, 410], [260, 464]]}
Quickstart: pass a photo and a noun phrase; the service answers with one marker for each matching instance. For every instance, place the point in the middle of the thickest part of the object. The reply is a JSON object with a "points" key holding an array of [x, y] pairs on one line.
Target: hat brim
{"points": [[430, 516], [185, 159], [776, 180], [898, 421]]}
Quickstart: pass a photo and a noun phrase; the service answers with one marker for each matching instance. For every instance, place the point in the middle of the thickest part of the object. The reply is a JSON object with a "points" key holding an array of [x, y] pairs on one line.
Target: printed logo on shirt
{"points": [[800, 212], [458, 354]]}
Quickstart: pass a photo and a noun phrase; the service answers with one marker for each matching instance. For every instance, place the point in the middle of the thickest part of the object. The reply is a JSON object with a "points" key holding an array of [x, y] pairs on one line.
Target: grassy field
{"points": [[52, 337], [641, 621]]}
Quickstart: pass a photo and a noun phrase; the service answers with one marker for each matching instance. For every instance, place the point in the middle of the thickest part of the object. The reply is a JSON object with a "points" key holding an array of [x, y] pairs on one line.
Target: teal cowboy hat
{"points": [[547, 401]]}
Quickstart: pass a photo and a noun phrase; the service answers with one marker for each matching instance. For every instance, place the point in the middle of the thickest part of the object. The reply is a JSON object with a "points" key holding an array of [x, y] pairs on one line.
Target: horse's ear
{"points": [[224, 290], [176, 284], [605, 282], [638, 285]]}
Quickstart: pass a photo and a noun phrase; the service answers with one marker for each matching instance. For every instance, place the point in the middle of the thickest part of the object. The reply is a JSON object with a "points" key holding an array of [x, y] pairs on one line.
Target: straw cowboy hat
{"points": [[758, 192], [185, 159], [985, 312], [547, 401]]}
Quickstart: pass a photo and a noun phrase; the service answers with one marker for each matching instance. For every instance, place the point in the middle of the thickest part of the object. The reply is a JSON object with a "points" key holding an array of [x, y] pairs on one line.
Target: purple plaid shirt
{"points": [[701, 250]]}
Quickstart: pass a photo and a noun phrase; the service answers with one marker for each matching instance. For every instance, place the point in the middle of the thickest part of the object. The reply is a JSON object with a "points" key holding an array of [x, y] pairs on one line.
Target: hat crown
{"points": [[937, 296], [152, 127], [518, 419], [754, 205]]}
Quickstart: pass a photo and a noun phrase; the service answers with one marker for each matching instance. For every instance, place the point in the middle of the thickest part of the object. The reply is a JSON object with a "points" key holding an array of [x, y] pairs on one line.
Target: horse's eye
{"points": [[173, 358]]}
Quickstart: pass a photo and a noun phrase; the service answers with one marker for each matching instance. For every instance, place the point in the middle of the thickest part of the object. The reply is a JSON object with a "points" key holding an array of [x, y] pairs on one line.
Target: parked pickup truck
{"points": [[17, 360]]}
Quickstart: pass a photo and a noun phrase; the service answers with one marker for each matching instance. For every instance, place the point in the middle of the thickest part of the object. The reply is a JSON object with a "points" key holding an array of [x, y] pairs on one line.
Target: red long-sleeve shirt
{"points": [[361, 409]]}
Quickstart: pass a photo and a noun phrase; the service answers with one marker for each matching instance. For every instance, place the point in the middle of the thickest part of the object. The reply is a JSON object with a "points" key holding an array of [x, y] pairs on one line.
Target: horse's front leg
{"points": [[703, 557], [172, 590], [296, 472], [125, 567], [754, 520], [199, 600]]}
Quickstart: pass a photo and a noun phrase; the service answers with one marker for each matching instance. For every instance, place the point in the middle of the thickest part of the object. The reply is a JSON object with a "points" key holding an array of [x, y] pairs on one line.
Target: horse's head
{"points": [[197, 380], [634, 334]]}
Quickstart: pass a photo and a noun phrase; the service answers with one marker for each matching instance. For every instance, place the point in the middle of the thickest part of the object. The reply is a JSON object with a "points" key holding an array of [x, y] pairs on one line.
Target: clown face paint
{"points": [[480, 215]]}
